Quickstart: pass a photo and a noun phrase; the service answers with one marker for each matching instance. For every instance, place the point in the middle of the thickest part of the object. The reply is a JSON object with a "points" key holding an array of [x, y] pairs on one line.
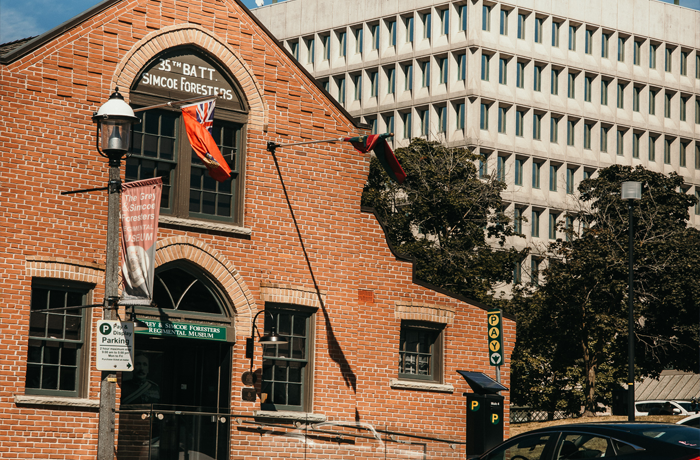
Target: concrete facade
{"points": [[548, 90], [355, 293]]}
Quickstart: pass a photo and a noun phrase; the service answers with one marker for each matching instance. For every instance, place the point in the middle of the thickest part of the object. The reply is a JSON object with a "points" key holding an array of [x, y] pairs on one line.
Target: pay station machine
{"points": [[484, 412]]}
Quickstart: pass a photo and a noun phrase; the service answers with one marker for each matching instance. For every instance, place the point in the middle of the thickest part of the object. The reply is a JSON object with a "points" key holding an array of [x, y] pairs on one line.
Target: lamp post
{"points": [[631, 192], [272, 338], [114, 120]]}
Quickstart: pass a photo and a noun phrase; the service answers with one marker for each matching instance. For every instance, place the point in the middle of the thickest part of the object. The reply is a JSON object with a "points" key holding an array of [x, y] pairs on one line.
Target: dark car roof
{"points": [[606, 426]]}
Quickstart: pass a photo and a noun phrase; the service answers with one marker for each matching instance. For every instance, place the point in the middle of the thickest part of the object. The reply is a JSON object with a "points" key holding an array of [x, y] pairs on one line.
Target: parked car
{"points": [[631, 441], [664, 407], [693, 420]]}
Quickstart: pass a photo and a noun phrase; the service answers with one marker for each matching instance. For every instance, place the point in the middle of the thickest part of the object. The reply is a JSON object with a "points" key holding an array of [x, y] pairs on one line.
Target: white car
{"points": [[693, 420], [663, 407]]}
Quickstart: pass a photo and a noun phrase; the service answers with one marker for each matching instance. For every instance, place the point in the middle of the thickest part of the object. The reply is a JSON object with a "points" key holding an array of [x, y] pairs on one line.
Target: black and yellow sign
{"points": [[495, 339]]}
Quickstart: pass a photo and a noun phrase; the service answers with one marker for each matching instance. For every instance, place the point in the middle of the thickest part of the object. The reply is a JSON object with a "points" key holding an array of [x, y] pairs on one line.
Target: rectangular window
{"points": [[684, 63], [519, 172], [587, 130], [535, 226], [667, 104], [518, 221], [392, 33], [520, 75], [409, 77], [587, 89], [391, 81], [343, 43], [534, 271], [286, 375], [484, 117], [555, 33], [552, 226], [620, 49], [407, 126], [697, 110], [374, 123], [697, 155], [462, 18], [485, 67], [425, 122], [326, 47], [605, 46], [572, 38], [536, 174], [359, 33], [502, 120], [442, 120], [604, 84], [443, 70], [635, 98], [652, 102], [589, 42], [374, 83], [521, 26], [667, 151], [460, 116], [568, 226], [504, 22], [604, 139], [503, 71], [428, 25], [697, 64], [519, 122], [445, 21], [501, 169], [390, 126], [571, 89], [341, 91], [620, 96], [668, 61], [683, 104], [483, 167], [637, 58], [537, 80], [554, 130], [536, 126], [327, 85], [652, 148], [462, 67], [425, 71], [635, 144], [486, 18], [682, 154], [357, 81], [697, 203], [420, 351], [552, 178], [409, 29], [570, 130], [620, 143], [570, 180], [539, 25], [555, 82], [375, 36], [55, 347], [294, 48], [652, 56]]}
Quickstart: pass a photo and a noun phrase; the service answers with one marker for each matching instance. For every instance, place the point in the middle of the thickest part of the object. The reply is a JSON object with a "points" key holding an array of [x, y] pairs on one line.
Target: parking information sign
{"points": [[495, 333], [115, 346]]}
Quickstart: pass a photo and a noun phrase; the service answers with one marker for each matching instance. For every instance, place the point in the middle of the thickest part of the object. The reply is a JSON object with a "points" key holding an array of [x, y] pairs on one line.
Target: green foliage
{"points": [[442, 215], [572, 328]]}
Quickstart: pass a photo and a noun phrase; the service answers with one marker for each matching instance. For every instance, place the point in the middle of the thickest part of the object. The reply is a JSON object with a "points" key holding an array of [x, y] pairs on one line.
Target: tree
{"points": [[446, 217], [576, 319]]}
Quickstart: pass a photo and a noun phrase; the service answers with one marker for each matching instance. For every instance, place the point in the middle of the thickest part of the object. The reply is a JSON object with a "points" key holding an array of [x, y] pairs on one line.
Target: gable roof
{"points": [[671, 385]]}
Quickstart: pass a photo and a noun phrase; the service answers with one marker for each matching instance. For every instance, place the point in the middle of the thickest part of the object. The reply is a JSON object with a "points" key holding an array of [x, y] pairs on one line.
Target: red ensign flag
{"points": [[199, 119]]}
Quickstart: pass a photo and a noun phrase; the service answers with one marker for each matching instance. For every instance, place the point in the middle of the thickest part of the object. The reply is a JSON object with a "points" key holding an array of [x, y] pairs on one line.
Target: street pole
{"points": [[630, 320], [108, 387]]}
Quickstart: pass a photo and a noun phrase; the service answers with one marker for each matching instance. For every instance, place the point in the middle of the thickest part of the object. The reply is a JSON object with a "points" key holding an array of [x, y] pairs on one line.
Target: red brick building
{"points": [[372, 353]]}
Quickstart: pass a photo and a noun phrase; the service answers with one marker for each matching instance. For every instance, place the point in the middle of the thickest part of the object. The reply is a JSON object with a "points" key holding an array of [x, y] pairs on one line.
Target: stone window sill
{"points": [[291, 415], [422, 386], [37, 400], [205, 225]]}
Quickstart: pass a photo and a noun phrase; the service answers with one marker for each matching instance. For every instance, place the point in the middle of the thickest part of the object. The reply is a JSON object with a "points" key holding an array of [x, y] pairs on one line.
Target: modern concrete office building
{"points": [[548, 90]]}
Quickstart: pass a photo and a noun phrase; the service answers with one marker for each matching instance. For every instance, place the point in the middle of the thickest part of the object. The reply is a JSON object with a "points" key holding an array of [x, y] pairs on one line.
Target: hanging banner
{"points": [[140, 211]]}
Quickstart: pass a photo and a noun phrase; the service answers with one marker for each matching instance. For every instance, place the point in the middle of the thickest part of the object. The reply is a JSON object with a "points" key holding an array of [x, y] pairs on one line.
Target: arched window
{"points": [[160, 147], [182, 288]]}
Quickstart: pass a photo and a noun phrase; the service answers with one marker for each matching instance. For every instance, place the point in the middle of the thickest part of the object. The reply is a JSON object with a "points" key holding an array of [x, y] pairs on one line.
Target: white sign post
{"points": [[115, 346]]}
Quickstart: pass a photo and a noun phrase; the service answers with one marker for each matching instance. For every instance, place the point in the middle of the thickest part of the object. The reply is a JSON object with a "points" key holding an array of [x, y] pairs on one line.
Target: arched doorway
{"points": [[175, 404]]}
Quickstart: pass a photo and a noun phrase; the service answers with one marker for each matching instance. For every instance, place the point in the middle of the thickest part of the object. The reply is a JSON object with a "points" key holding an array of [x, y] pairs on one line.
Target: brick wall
{"points": [[47, 147]]}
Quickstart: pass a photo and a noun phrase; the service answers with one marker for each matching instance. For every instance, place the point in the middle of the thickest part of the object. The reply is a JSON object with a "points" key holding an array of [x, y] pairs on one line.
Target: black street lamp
{"points": [[271, 339], [631, 192], [113, 138]]}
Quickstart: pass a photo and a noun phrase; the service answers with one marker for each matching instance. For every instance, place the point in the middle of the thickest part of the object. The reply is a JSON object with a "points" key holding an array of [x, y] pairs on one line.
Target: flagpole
{"points": [[273, 145], [170, 104]]}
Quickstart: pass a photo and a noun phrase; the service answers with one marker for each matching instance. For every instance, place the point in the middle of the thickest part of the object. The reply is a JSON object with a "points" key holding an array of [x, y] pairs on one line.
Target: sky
{"points": [[25, 18]]}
